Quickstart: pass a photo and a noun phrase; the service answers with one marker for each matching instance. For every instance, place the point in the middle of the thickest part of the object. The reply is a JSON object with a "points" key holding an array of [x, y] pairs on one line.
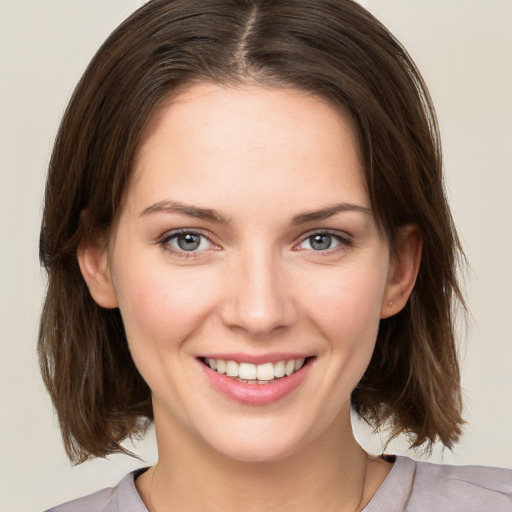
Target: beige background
{"points": [[464, 49]]}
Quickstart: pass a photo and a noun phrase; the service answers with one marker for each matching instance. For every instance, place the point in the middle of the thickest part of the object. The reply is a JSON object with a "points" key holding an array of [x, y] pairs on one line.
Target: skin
{"points": [[256, 285]]}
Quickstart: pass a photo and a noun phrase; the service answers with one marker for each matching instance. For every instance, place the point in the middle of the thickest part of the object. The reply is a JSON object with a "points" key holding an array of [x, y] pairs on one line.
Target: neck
{"points": [[326, 474]]}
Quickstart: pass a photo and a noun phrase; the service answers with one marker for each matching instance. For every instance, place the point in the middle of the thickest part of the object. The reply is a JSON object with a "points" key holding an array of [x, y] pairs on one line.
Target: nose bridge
{"points": [[259, 301]]}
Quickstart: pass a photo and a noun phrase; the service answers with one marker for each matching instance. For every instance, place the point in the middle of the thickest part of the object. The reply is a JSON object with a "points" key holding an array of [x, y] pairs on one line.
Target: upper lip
{"points": [[273, 357]]}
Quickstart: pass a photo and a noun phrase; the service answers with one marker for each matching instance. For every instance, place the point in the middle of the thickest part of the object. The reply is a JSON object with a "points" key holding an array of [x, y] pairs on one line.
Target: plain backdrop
{"points": [[464, 50]]}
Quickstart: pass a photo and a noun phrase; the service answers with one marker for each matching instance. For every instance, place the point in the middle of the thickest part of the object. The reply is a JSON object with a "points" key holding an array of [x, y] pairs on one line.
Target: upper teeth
{"points": [[249, 371]]}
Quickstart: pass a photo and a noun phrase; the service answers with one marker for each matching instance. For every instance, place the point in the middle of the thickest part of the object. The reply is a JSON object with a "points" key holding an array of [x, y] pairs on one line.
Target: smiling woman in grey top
{"points": [[247, 238]]}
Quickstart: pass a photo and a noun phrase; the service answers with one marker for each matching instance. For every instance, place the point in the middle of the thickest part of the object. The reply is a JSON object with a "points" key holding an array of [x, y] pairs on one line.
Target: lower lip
{"points": [[256, 394]]}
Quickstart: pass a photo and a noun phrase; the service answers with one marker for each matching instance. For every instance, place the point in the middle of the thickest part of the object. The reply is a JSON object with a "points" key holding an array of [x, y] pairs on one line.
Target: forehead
{"points": [[254, 141]]}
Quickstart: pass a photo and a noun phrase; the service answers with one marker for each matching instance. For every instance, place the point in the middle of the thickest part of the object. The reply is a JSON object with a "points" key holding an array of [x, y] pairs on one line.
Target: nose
{"points": [[259, 299]]}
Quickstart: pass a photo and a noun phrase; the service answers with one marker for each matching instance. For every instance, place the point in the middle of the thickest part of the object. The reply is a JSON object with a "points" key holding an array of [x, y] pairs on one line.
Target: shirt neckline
{"points": [[392, 495]]}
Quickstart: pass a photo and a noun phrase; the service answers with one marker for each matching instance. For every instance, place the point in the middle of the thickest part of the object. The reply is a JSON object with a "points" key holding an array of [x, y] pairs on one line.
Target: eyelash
{"points": [[344, 241], [181, 253]]}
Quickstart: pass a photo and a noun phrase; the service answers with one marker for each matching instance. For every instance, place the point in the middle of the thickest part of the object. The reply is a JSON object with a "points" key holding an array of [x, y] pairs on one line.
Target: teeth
{"points": [[289, 367], [246, 371], [256, 373], [279, 369], [220, 365], [231, 368], [298, 364], [265, 371]]}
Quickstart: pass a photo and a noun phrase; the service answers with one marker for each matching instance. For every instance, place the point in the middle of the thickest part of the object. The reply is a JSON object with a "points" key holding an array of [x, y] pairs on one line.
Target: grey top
{"points": [[410, 487]]}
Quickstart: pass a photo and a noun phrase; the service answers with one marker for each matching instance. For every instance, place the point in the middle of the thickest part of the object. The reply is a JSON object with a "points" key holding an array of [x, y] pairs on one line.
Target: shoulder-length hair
{"points": [[331, 48]]}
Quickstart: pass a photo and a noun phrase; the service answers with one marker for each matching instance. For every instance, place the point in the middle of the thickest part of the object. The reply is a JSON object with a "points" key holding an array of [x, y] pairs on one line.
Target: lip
{"points": [[256, 394]]}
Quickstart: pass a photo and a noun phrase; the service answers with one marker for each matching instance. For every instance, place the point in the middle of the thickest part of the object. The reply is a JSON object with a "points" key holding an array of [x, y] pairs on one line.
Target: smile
{"points": [[262, 381], [249, 373]]}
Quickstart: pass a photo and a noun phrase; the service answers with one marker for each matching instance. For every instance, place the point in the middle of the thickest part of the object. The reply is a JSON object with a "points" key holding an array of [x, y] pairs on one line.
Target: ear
{"points": [[403, 270], [93, 261]]}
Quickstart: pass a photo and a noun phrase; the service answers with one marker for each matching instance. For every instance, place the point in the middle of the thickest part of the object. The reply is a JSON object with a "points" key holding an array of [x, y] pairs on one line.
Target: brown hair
{"points": [[332, 48]]}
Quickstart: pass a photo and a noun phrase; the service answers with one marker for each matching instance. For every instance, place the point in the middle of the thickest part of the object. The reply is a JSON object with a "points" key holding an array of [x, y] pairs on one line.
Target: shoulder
{"points": [[95, 502], [470, 488], [443, 488], [120, 498]]}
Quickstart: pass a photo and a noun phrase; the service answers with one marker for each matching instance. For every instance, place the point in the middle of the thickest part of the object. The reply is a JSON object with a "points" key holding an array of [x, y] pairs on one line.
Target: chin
{"points": [[258, 442], [252, 453]]}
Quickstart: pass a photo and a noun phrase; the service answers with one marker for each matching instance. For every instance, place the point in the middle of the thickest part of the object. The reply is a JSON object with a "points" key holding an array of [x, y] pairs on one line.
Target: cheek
{"points": [[162, 307], [161, 311], [346, 310], [348, 300]]}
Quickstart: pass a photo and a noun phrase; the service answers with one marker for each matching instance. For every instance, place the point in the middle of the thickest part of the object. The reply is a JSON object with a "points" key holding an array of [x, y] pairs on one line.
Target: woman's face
{"points": [[247, 242]]}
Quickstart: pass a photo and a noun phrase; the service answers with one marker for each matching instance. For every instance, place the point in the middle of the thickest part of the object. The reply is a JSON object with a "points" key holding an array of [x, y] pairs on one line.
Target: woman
{"points": [[246, 236]]}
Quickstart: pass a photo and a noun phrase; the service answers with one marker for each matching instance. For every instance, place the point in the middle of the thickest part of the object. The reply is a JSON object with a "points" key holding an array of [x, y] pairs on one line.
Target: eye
{"points": [[323, 241], [186, 242], [320, 242]]}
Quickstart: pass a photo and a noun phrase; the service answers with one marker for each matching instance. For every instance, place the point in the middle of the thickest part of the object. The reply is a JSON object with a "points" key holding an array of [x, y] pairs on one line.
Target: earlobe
{"points": [[403, 270], [93, 261]]}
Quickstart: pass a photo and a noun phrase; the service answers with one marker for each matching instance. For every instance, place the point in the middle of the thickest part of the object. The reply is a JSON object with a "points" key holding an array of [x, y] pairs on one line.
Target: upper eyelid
{"points": [[164, 242], [175, 232], [333, 232], [344, 239]]}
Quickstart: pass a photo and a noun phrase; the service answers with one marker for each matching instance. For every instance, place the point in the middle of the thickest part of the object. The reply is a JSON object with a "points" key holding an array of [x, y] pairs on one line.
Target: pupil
{"points": [[189, 242], [320, 242]]}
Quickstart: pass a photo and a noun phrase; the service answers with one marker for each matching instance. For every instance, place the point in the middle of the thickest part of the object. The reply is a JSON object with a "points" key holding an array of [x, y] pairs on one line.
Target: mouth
{"points": [[256, 381], [260, 374]]}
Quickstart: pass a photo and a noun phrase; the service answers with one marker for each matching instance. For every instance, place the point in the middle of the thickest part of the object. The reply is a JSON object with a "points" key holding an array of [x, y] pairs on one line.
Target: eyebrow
{"points": [[325, 213], [214, 216], [185, 209]]}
